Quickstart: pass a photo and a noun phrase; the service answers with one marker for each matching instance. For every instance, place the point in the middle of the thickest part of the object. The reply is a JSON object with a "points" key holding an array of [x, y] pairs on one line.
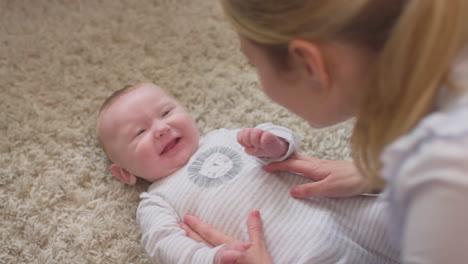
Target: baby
{"points": [[147, 134]]}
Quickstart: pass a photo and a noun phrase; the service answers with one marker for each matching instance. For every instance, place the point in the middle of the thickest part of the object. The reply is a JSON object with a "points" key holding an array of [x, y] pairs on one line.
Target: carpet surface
{"points": [[58, 61]]}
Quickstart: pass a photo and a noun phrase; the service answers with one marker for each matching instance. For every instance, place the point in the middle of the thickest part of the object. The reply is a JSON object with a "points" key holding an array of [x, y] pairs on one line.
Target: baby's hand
{"points": [[231, 254], [261, 143]]}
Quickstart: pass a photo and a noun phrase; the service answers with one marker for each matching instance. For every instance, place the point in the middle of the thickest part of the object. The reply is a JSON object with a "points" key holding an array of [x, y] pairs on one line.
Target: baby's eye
{"points": [[166, 113], [141, 131]]}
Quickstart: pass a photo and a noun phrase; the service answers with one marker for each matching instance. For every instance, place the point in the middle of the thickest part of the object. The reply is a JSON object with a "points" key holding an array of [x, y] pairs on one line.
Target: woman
{"points": [[399, 67]]}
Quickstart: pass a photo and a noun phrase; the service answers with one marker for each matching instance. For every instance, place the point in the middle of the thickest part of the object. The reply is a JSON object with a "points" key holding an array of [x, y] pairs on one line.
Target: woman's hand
{"points": [[256, 250], [331, 178]]}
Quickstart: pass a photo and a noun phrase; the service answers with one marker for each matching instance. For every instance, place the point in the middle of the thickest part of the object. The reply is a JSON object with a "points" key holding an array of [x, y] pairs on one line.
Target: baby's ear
{"points": [[123, 174]]}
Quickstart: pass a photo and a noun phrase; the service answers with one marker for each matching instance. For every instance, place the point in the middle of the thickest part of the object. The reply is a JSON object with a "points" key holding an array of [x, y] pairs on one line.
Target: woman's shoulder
{"points": [[433, 154], [450, 117], [442, 131]]}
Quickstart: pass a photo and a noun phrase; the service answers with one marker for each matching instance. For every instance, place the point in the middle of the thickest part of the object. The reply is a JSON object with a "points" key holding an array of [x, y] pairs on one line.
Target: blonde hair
{"points": [[415, 41]]}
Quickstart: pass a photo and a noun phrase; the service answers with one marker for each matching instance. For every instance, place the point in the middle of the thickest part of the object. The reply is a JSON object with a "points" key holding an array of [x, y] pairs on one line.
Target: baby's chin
{"points": [[185, 158], [177, 167], [141, 182], [182, 160]]}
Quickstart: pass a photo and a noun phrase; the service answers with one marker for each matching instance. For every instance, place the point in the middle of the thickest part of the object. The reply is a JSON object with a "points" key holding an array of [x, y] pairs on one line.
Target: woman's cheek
{"points": [[268, 90]]}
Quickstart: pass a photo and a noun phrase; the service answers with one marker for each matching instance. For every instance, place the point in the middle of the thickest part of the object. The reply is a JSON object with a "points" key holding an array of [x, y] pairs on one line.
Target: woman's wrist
{"points": [[373, 186]]}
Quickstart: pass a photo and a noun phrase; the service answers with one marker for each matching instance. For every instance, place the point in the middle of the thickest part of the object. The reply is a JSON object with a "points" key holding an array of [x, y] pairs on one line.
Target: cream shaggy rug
{"points": [[58, 61]]}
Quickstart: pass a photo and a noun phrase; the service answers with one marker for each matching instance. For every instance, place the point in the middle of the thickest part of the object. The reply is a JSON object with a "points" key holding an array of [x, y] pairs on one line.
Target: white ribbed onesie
{"points": [[221, 184]]}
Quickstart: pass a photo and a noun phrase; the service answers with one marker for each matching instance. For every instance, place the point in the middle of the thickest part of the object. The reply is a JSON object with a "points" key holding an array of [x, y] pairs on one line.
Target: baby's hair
{"points": [[107, 103], [114, 96]]}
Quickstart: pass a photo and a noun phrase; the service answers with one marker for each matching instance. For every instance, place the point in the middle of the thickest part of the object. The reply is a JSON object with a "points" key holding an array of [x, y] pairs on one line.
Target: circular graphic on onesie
{"points": [[215, 166]]}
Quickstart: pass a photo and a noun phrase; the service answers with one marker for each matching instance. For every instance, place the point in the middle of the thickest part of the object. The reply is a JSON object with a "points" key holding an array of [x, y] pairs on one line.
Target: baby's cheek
{"points": [[146, 168], [145, 159]]}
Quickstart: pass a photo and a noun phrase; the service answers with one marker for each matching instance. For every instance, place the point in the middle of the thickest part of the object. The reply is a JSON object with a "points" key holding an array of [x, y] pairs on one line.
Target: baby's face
{"points": [[148, 133]]}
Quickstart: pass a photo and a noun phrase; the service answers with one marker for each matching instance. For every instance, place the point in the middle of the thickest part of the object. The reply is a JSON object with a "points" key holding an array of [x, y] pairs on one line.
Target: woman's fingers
{"points": [[331, 178], [258, 253], [307, 166], [235, 251], [255, 226], [230, 254], [193, 235], [308, 190], [325, 188], [345, 183], [207, 232]]}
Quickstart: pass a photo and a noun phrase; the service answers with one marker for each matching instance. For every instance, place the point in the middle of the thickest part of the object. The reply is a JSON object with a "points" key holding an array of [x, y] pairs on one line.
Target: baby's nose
{"points": [[161, 130]]}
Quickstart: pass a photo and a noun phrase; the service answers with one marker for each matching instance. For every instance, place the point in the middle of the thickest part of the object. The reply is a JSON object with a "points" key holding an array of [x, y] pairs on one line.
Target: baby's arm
{"points": [[276, 143], [261, 143], [166, 242]]}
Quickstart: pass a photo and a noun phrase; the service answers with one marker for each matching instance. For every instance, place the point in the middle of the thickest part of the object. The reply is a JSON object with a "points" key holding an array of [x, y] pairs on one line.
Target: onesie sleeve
{"points": [[163, 239], [286, 134]]}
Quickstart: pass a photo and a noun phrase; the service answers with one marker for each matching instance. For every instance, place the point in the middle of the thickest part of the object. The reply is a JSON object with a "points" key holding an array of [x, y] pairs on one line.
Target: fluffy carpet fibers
{"points": [[58, 61]]}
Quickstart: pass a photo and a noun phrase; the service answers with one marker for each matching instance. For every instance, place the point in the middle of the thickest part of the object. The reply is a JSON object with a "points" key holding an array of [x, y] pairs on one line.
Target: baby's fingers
{"points": [[251, 150], [256, 137], [243, 137]]}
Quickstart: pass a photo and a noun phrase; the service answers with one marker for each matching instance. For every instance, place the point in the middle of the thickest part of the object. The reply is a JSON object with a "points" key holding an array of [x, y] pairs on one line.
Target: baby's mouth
{"points": [[170, 145]]}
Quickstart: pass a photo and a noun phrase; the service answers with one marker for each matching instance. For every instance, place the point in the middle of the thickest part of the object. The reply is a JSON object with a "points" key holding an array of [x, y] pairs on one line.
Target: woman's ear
{"points": [[123, 174], [311, 56]]}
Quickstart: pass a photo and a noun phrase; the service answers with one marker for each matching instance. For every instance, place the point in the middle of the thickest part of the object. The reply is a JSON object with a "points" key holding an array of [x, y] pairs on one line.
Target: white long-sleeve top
{"points": [[427, 181], [221, 185]]}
